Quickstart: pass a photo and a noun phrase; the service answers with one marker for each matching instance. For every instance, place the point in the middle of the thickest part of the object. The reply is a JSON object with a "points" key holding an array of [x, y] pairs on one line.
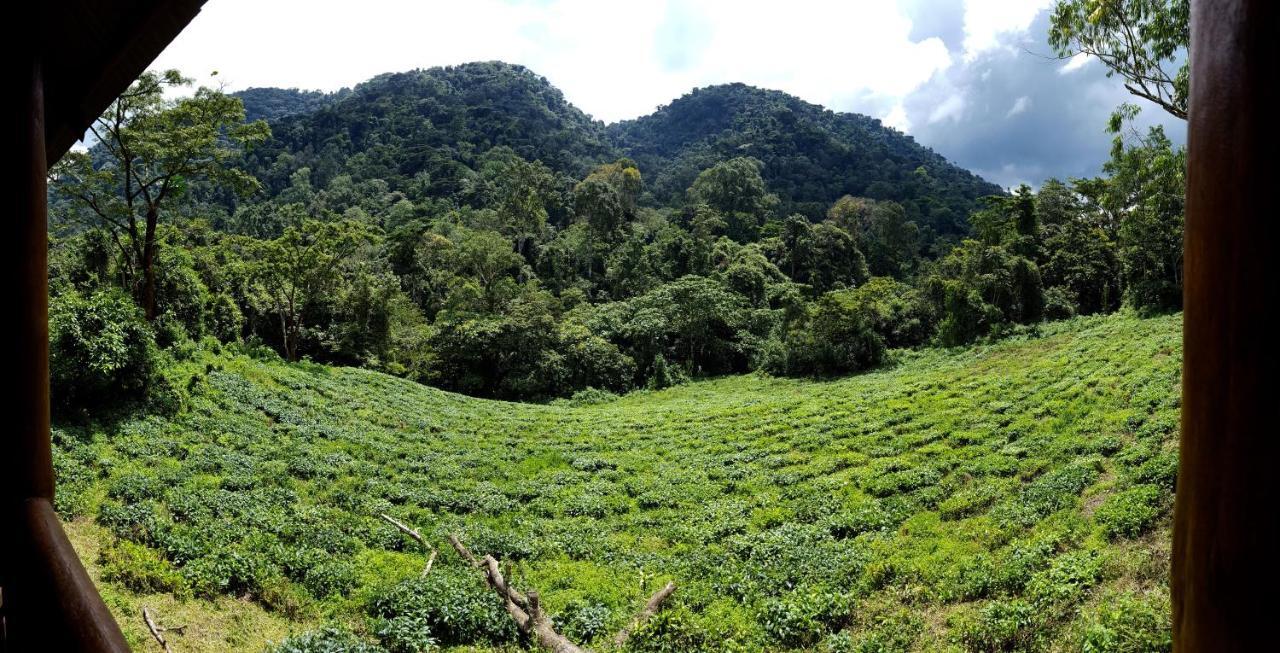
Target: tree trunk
{"points": [[148, 266]]}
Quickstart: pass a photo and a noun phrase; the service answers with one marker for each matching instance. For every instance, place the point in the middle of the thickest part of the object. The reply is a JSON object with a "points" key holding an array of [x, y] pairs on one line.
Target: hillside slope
{"points": [[812, 156], [436, 124], [1014, 495]]}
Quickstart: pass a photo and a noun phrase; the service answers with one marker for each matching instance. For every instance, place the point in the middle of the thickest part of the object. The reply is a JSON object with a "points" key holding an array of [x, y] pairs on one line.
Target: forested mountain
{"points": [[434, 125], [431, 126], [274, 103], [812, 156], [469, 228]]}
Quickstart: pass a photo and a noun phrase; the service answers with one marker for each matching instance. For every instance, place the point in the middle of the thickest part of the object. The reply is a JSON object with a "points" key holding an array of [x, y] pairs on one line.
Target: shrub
{"points": [[1067, 579], [330, 639], [583, 621], [100, 349], [999, 626], [671, 631], [139, 568], [330, 577], [1129, 513], [454, 605], [1129, 624], [801, 618]]}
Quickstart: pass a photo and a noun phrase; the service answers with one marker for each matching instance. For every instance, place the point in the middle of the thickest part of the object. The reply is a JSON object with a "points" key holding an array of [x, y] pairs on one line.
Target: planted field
{"points": [[1014, 496]]}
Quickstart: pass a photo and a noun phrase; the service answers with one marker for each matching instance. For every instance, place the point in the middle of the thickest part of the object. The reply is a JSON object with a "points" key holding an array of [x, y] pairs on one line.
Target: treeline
{"points": [[521, 285]]}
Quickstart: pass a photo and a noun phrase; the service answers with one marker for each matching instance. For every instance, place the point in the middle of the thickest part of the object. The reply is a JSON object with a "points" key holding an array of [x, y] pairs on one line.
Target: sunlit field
{"points": [[1011, 496]]}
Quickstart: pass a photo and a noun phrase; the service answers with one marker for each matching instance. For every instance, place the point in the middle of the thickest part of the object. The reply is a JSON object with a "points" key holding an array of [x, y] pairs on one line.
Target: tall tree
{"points": [[148, 152], [1141, 40], [299, 268]]}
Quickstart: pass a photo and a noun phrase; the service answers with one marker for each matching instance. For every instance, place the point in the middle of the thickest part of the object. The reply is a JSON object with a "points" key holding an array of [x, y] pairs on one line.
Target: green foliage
{"points": [[811, 156], [330, 639], [804, 617], [1129, 513], [140, 569], [785, 510], [100, 350], [1000, 626], [1141, 40], [978, 289], [838, 336], [1127, 623], [452, 604]]}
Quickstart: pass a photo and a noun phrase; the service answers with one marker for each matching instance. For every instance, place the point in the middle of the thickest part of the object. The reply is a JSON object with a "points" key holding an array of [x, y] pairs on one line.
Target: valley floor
{"points": [[1012, 496]]}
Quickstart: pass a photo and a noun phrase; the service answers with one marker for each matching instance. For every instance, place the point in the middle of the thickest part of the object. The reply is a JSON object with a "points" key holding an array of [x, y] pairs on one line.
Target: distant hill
{"points": [[811, 155], [275, 103], [434, 124]]}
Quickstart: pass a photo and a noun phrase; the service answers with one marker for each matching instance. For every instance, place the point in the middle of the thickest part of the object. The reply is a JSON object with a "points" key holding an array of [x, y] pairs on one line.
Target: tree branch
{"points": [[651, 607]]}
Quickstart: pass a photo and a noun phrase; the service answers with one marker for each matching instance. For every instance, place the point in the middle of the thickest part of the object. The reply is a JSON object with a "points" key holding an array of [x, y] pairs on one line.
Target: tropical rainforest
{"points": [[842, 393]]}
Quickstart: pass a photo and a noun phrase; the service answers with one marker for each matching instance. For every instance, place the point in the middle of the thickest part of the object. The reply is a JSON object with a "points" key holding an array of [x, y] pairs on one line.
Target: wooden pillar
{"points": [[1226, 548], [48, 601]]}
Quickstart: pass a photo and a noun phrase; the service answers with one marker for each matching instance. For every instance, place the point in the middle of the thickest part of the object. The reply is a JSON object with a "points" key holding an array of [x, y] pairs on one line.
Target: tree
{"points": [[837, 336], [978, 288], [1140, 40], [148, 152], [892, 242], [735, 191], [1150, 179], [299, 268], [100, 349]]}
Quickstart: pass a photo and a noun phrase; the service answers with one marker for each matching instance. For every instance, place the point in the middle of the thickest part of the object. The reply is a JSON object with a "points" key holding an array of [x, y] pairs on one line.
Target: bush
{"points": [[139, 568], [101, 350], [453, 605], [583, 621], [1000, 626], [330, 577], [801, 619], [1129, 513], [671, 631], [330, 639], [1129, 624]]}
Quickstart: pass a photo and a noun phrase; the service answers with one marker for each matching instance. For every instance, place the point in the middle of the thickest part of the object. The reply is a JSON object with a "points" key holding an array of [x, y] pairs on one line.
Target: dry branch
{"points": [[404, 528], [156, 630], [525, 611], [651, 607], [412, 532], [431, 560]]}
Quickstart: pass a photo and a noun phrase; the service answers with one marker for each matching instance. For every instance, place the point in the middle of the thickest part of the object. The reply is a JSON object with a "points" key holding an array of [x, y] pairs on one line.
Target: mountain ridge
{"points": [[440, 121]]}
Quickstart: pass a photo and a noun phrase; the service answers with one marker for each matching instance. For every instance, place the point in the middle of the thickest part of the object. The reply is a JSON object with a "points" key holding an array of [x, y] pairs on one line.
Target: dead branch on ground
{"points": [[156, 630], [527, 612]]}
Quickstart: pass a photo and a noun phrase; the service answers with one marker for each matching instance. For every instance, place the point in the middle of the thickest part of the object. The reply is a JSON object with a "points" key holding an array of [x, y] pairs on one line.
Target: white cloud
{"points": [[1019, 105], [988, 24], [1076, 62], [951, 108], [612, 60]]}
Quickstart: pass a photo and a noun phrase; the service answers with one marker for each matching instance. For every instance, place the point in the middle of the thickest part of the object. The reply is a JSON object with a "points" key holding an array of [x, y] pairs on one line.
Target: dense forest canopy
{"points": [[468, 227]]}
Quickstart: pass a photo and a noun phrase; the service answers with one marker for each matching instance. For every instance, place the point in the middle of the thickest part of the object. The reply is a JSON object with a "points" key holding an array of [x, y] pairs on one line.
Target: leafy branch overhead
{"points": [[1146, 42]]}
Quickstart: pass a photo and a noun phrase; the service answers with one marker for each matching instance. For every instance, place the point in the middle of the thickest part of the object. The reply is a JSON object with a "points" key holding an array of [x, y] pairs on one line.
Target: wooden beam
{"points": [[1226, 548]]}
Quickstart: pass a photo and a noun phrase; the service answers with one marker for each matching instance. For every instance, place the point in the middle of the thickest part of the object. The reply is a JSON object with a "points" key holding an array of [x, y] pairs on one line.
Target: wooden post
{"points": [[1226, 548], [49, 601]]}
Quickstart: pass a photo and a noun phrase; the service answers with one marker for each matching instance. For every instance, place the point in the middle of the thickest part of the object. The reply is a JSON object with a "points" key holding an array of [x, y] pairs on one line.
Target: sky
{"points": [[973, 79]]}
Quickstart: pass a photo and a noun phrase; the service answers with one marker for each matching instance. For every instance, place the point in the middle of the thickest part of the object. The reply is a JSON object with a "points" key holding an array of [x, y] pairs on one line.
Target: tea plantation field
{"points": [[1012, 496]]}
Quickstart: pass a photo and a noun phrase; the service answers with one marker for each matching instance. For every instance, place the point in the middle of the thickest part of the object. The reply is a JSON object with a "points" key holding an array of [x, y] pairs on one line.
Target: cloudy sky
{"points": [[970, 78]]}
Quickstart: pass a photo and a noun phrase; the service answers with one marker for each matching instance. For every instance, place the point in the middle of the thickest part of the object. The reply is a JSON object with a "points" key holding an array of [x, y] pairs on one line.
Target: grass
{"points": [[1011, 496]]}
